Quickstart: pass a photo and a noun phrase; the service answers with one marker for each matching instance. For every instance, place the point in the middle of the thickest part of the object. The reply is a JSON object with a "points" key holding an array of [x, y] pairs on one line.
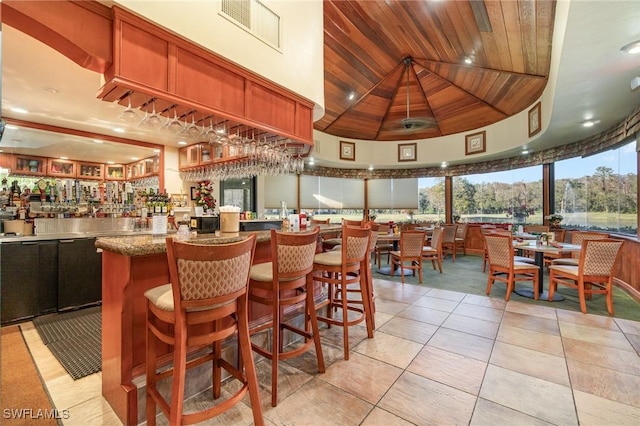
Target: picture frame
{"points": [[407, 152], [475, 143], [193, 193], [535, 122], [347, 151]]}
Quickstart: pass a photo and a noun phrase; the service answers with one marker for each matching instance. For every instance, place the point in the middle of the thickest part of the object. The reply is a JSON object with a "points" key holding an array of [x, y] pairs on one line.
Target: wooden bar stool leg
{"points": [[246, 354], [345, 320], [313, 319]]}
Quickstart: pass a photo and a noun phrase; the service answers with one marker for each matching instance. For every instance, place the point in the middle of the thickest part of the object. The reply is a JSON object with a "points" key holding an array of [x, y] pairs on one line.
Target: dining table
{"points": [[539, 250]]}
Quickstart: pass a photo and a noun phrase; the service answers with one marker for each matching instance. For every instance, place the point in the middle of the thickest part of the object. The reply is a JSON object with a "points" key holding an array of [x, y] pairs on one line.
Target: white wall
{"points": [[298, 66]]}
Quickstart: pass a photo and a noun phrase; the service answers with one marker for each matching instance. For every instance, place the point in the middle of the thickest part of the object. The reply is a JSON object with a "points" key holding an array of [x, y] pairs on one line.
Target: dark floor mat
{"points": [[75, 339]]}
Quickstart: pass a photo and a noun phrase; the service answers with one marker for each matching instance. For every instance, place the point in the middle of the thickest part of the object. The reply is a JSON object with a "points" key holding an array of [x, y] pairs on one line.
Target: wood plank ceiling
{"points": [[395, 70]]}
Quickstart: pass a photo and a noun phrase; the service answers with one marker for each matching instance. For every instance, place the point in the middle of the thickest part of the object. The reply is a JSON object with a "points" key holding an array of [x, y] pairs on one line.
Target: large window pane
{"points": [[393, 199], [512, 196], [431, 202], [600, 191]]}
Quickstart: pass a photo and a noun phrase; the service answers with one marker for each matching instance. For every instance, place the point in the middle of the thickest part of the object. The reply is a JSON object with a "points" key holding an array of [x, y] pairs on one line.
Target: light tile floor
{"points": [[438, 357]]}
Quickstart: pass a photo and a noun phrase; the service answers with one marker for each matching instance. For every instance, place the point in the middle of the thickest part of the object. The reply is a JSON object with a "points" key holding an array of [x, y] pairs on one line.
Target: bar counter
{"points": [[130, 266]]}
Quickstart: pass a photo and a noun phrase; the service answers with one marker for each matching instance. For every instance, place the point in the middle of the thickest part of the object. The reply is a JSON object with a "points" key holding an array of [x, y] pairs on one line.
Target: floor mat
{"points": [[75, 339]]}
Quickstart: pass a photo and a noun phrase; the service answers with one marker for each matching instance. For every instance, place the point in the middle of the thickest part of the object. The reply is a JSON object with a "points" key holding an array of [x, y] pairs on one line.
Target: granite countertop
{"points": [[142, 245]]}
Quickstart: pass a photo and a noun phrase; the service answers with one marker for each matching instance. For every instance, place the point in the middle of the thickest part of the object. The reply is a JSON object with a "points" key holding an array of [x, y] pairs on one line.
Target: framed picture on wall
{"points": [[534, 120], [407, 152], [194, 195], [475, 143], [347, 151]]}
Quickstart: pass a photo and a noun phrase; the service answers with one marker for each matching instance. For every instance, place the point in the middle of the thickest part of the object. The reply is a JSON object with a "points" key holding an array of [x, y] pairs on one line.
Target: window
{"points": [[393, 199], [333, 198], [513, 196], [255, 18], [600, 191], [431, 202]]}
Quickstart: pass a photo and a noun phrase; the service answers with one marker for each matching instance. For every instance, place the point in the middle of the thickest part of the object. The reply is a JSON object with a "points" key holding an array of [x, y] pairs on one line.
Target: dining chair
{"points": [[536, 229], [410, 254], [284, 284], [433, 251], [577, 237], [461, 238], [503, 267], [319, 221], [204, 304], [493, 231], [559, 236], [449, 240], [596, 261], [344, 272]]}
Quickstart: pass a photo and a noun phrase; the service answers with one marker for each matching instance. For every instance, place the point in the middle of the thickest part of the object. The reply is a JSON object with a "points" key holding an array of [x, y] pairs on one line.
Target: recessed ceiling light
{"points": [[19, 110], [468, 60], [182, 143], [632, 48], [135, 158], [64, 158], [370, 167], [118, 129], [588, 123], [111, 162], [525, 151], [351, 96], [98, 141], [444, 164], [156, 150]]}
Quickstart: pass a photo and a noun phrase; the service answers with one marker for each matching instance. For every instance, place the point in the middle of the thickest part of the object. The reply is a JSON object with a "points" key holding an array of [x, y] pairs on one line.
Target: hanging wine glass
{"points": [[191, 130], [210, 134], [174, 125], [129, 115], [152, 120]]}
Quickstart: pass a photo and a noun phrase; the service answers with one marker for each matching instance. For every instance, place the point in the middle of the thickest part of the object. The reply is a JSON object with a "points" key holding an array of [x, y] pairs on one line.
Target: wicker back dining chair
{"points": [[449, 240], [461, 238], [503, 267], [594, 269], [577, 237], [433, 251], [410, 254]]}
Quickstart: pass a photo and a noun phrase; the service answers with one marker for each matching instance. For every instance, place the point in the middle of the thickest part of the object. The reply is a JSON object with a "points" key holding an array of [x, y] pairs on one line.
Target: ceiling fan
{"points": [[409, 124]]}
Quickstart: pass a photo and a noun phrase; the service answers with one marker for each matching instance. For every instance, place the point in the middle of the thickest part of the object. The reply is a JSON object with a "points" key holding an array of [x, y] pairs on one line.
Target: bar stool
{"points": [[343, 268], [373, 241], [287, 281], [330, 243], [205, 303]]}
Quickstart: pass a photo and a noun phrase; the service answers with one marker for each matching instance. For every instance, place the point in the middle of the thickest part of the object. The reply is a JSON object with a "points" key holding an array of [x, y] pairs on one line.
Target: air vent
{"points": [[255, 18]]}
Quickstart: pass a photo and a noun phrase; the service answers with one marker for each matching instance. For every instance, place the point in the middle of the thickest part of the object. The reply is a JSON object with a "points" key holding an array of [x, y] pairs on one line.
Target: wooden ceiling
{"points": [[403, 63]]}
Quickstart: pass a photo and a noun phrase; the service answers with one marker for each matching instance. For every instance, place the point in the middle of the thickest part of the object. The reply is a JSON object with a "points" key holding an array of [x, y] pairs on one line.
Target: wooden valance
{"points": [[153, 65]]}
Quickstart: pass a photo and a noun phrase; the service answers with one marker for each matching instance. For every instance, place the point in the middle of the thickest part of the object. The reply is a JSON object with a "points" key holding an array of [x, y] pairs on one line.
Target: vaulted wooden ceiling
{"points": [[396, 70]]}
